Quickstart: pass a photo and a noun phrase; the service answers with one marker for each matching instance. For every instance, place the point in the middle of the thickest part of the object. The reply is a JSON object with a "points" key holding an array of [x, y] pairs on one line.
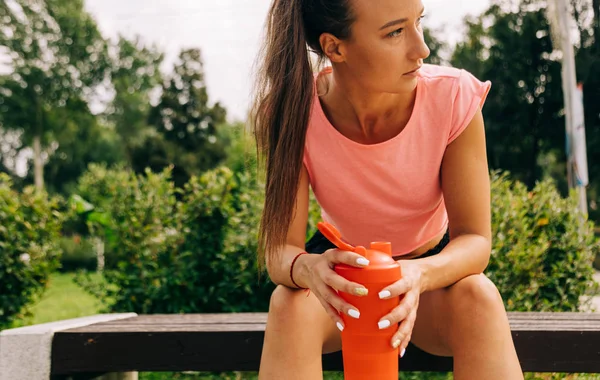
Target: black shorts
{"points": [[319, 244]]}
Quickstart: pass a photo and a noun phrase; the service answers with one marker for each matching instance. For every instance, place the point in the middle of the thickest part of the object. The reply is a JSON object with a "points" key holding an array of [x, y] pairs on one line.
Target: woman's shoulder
{"points": [[446, 80]]}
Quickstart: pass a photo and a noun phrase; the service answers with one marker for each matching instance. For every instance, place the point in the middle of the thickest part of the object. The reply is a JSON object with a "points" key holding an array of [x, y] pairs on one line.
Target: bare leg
{"points": [[298, 332], [468, 321]]}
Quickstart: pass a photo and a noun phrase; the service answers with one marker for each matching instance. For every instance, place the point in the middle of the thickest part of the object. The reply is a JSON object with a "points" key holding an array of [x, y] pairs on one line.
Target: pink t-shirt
{"points": [[391, 191]]}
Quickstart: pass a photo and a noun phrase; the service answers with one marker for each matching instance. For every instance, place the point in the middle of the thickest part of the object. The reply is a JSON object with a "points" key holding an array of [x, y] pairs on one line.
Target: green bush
{"points": [[77, 253], [194, 249], [30, 226], [97, 190], [196, 254], [541, 255]]}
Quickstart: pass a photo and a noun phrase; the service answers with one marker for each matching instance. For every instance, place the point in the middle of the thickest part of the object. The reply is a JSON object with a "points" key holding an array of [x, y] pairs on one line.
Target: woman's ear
{"points": [[332, 47]]}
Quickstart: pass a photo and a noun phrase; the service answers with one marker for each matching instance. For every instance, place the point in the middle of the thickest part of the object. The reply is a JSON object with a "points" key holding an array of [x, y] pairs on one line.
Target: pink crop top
{"points": [[391, 191]]}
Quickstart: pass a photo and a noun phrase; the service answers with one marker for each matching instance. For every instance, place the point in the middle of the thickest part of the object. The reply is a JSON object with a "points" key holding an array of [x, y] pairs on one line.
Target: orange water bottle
{"points": [[366, 350]]}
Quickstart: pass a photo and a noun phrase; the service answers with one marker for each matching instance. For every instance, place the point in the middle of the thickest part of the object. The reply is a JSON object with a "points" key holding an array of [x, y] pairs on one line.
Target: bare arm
{"points": [[279, 270], [466, 188], [315, 271]]}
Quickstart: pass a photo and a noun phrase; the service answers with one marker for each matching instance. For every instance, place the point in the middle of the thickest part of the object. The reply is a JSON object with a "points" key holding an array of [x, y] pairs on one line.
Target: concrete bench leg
{"points": [[25, 352]]}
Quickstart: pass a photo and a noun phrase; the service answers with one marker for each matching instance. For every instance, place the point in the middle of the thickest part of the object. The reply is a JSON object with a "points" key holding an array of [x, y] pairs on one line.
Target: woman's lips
{"points": [[414, 72]]}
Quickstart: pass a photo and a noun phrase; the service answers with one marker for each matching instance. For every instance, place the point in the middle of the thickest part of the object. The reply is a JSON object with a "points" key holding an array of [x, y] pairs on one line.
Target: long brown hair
{"points": [[282, 103]]}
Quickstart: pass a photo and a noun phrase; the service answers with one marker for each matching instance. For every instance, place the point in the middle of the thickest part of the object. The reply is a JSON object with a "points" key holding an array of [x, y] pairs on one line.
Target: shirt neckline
{"points": [[349, 141]]}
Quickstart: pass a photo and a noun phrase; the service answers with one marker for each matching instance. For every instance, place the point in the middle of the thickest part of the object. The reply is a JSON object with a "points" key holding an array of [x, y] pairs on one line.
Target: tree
{"points": [[82, 139], [523, 111], [57, 55], [134, 75], [185, 126]]}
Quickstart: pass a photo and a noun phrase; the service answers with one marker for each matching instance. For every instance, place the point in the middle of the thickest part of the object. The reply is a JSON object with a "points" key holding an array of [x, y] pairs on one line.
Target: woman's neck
{"points": [[362, 115]]}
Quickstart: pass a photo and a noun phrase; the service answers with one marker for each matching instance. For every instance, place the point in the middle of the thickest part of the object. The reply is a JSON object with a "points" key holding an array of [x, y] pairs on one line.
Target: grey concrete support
{"points": [[25, 352]]}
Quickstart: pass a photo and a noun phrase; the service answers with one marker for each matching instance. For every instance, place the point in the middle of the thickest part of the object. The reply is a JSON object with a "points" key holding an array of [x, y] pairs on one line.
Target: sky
{"points": [[228, 33]]}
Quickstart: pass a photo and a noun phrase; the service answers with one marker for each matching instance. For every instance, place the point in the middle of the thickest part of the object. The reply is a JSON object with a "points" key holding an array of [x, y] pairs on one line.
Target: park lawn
{"points": [[64, 300]]}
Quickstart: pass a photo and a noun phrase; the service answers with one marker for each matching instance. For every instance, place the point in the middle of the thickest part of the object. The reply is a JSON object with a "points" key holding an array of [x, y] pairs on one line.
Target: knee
{"points": [[476, 294], [286, 303]]}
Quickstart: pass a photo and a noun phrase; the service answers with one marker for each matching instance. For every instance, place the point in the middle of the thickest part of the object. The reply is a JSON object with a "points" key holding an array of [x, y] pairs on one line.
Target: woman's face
{"points": [[386, 43]]}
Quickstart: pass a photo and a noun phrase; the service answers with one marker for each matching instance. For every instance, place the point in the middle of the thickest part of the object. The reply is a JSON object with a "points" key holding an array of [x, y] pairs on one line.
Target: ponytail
{"points": [[282, 104], [280, 119]]}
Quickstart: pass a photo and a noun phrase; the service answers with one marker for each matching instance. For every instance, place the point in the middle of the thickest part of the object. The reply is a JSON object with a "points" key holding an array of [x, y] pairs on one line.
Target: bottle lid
{"points": [[333, 235], [382, 246]]}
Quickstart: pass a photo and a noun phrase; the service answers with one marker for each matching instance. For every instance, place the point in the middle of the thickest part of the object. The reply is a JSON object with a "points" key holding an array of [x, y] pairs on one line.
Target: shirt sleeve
{"points": [[469, 94]]}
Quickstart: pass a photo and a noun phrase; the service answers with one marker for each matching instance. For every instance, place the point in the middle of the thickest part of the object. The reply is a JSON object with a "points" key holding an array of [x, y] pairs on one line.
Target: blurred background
{"points": [[128, 181]]}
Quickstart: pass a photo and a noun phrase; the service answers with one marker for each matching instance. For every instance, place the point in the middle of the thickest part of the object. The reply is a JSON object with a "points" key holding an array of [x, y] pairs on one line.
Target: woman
{"points": [[394, 150]]}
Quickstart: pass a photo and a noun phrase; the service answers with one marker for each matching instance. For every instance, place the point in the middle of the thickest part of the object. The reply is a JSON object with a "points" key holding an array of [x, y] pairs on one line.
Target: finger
{"points": [[396, 289], [337, 256], [402, 337], [332, 298], [399, 313], [333, 313], [337, 282]]}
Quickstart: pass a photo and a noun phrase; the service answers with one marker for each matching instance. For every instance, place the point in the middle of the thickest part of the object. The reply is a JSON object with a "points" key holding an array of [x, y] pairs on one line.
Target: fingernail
{"points": [[384, 294], [340, 326], [354, 313], [384, 324], [396, 343], [362, 261], [361, 291], [403, 352]]}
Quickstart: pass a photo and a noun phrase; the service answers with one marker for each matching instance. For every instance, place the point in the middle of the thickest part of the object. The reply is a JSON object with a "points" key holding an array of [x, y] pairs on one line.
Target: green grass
{"points": [[64, 300]]}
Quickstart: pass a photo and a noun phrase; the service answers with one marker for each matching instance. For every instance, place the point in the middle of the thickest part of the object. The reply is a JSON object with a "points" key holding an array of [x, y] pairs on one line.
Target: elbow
{"points": [[272, 267], [485, 252]]}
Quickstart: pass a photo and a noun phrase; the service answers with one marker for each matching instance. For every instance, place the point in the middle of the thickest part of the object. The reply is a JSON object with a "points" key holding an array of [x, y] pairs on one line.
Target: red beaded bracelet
{"points": [[292, 269]]}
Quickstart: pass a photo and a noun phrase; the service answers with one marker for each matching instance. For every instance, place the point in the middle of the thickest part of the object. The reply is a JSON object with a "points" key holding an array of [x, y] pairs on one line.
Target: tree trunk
{"points": [[38, 165], [596, 9]]}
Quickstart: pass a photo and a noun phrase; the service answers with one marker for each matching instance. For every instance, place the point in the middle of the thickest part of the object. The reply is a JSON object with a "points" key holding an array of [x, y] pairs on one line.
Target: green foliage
{"points": [[541, 257], [196, 254], [29, 230], [194, 249], [77, 253], [522, 112], [240, 148], [81, 140], [56, 56], [135, 74], [62, 299], [185, 128]]}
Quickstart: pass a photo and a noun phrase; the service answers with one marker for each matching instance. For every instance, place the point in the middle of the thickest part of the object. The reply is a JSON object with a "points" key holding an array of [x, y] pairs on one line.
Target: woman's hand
{"points": [[323, 281], [405, 313]]}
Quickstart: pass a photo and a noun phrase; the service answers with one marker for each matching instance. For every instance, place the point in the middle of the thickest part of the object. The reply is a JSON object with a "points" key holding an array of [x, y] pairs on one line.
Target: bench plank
{"points": [[545, 342]]}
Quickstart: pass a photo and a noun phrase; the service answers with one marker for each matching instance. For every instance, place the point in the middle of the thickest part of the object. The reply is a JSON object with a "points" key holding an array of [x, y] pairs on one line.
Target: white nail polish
{"points": [[384, 294], [340, 326], [362, 261], [354, 313], [383, 324], [403, 352]]}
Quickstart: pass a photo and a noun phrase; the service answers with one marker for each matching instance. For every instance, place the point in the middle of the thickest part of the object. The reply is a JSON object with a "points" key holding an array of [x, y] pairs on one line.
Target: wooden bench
{"points": [[545, 342]]}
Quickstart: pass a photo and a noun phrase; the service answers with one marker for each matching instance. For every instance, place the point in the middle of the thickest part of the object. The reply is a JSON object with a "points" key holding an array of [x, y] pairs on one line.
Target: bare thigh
{"points": [[332, 340], [442, 311], [430, 324], [294, 308]]}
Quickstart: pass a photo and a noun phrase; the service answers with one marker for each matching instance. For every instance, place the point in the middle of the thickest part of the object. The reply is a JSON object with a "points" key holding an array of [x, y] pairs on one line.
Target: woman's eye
{"points": [[395, 33]]}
